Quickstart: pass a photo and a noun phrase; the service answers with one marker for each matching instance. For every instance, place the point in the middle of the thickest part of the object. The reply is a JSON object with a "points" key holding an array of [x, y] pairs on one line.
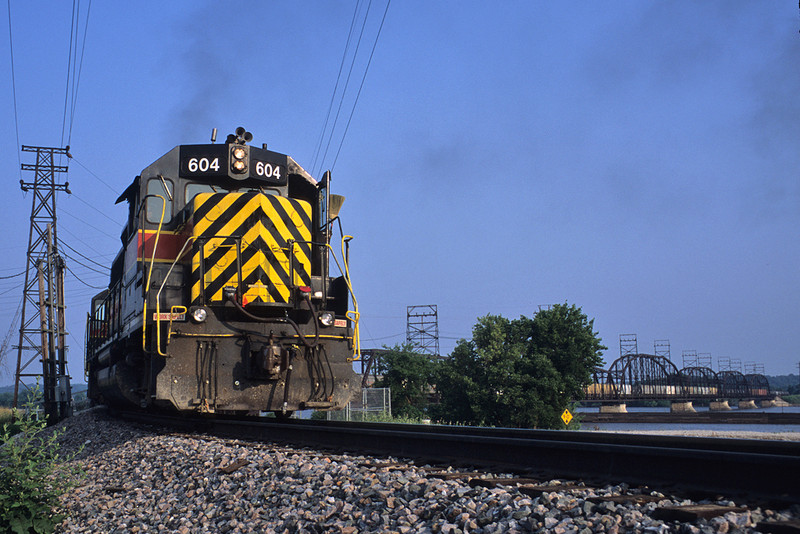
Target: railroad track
{"points": [[756, 469]]}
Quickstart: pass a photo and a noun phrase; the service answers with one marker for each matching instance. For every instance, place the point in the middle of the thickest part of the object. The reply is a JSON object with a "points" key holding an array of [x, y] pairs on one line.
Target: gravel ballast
{"points": [[144, 480]]}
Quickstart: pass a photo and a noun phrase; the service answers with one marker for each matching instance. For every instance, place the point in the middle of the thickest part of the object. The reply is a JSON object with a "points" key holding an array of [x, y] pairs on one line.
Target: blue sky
{"points": [[637, 159]]}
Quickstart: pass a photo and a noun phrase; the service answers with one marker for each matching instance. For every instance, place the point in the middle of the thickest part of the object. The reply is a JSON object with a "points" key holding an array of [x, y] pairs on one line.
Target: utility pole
{"points": [[42, 330]]}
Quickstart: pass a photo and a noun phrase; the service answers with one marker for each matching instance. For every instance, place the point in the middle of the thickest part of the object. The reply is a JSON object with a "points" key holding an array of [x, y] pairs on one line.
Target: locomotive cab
{"points": [[221, 299]]}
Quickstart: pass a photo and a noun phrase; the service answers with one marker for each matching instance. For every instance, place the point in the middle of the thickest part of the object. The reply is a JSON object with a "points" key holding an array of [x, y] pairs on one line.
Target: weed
{"points": [[33, 475], [5, 415]]}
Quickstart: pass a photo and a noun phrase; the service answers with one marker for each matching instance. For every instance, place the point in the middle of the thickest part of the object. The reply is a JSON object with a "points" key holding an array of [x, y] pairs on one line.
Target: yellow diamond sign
{"points": [[566, 417]]}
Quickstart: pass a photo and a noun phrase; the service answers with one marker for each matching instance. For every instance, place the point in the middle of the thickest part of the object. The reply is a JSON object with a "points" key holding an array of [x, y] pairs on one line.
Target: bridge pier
{"points": [[681, 407], [768, 403], [614, 408], [719, 406], [747, 405]]}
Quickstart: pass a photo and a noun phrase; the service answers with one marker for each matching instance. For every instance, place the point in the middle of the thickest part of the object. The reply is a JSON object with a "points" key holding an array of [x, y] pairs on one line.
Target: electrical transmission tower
{"points": [[753, 368], [661, 348], [628, 345], [42, 332], [422, 328]]}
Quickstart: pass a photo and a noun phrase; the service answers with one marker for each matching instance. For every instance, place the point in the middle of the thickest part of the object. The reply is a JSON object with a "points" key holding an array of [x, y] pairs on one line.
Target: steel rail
{"points": [[759, 469]]}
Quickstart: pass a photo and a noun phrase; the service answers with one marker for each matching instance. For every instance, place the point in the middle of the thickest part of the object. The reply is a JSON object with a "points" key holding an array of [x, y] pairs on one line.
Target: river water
{"points": [[722, 427]]}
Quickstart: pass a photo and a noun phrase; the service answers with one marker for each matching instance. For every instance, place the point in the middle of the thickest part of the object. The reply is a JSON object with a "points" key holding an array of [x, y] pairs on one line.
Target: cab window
{"points": [[164, 188], [193, 190]]}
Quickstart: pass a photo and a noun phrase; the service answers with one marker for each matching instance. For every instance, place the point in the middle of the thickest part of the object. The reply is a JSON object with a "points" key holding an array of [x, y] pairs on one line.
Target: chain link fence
{"points": [[375, 405]]}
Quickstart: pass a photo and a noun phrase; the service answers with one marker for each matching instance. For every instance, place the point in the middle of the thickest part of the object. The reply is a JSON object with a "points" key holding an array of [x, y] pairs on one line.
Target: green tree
{"points": [[519, 373], [409, 376]]}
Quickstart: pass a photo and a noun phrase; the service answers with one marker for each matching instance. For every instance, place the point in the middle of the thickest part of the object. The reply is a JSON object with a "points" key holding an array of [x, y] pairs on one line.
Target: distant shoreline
{"points": [[734, 434], [704, 417]]}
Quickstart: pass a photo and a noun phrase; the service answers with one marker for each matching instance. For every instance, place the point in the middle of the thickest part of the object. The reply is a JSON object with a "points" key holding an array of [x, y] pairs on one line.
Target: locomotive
{"points": [[227, 295]]}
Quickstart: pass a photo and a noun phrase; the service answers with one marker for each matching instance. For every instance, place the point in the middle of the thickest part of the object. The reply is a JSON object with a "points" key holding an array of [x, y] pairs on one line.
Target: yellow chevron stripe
{"points": [[280, 225], [219, 267], [302, 264], [222, 204], [294, 216], [260, 260], [260, 206], [236, 220]]}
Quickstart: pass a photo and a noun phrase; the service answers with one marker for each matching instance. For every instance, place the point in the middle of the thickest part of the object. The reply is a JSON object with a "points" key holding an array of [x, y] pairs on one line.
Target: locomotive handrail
{"points": [[152, 262], [356, 315], [202, 241], [158, 300], [353, 315]]}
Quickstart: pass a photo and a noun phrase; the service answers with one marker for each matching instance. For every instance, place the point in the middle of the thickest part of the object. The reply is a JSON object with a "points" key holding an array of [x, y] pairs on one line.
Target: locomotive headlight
{"points": [[326, 318], [199, 315], [240, 156]]}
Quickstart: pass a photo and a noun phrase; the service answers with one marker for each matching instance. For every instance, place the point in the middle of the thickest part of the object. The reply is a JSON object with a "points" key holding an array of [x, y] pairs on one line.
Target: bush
{"points": [[33, 475]]}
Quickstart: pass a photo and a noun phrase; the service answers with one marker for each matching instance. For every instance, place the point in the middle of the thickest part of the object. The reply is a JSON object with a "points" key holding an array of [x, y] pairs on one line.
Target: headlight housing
{"points": [[326, 318], [199, 315], [239, 159]]}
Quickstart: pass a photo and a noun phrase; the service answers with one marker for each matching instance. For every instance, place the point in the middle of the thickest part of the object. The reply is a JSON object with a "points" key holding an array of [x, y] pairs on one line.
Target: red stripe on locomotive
{"points": [[169, 245]]}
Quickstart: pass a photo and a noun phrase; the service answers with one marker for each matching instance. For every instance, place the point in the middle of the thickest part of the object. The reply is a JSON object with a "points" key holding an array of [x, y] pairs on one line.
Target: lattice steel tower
{"points": [[661, 348], [42, 332], [689, 358], [753, 368], [704, 359], [628, 345], [422, 328]]}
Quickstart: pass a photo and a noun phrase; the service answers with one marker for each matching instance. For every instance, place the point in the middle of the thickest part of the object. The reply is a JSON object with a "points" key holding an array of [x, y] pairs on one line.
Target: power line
{"points": [[69, 69], [82, 264], [346, 84], [70, 271], [352, 111], [14, 87], [7, 339], [65, 212], [62, 242], [335, 88], [95, 209], [73, 70], [15, 288], [93, 174], [12, 276], [332, 130], [77, 78], [386, 337]]}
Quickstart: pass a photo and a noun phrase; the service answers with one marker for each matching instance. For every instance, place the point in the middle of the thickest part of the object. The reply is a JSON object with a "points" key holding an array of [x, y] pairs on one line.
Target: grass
{"points": [[5, 415]]}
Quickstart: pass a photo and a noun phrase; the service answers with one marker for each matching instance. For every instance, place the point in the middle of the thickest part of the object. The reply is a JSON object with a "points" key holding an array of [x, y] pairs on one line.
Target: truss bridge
{"points": [[650, 377]]}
